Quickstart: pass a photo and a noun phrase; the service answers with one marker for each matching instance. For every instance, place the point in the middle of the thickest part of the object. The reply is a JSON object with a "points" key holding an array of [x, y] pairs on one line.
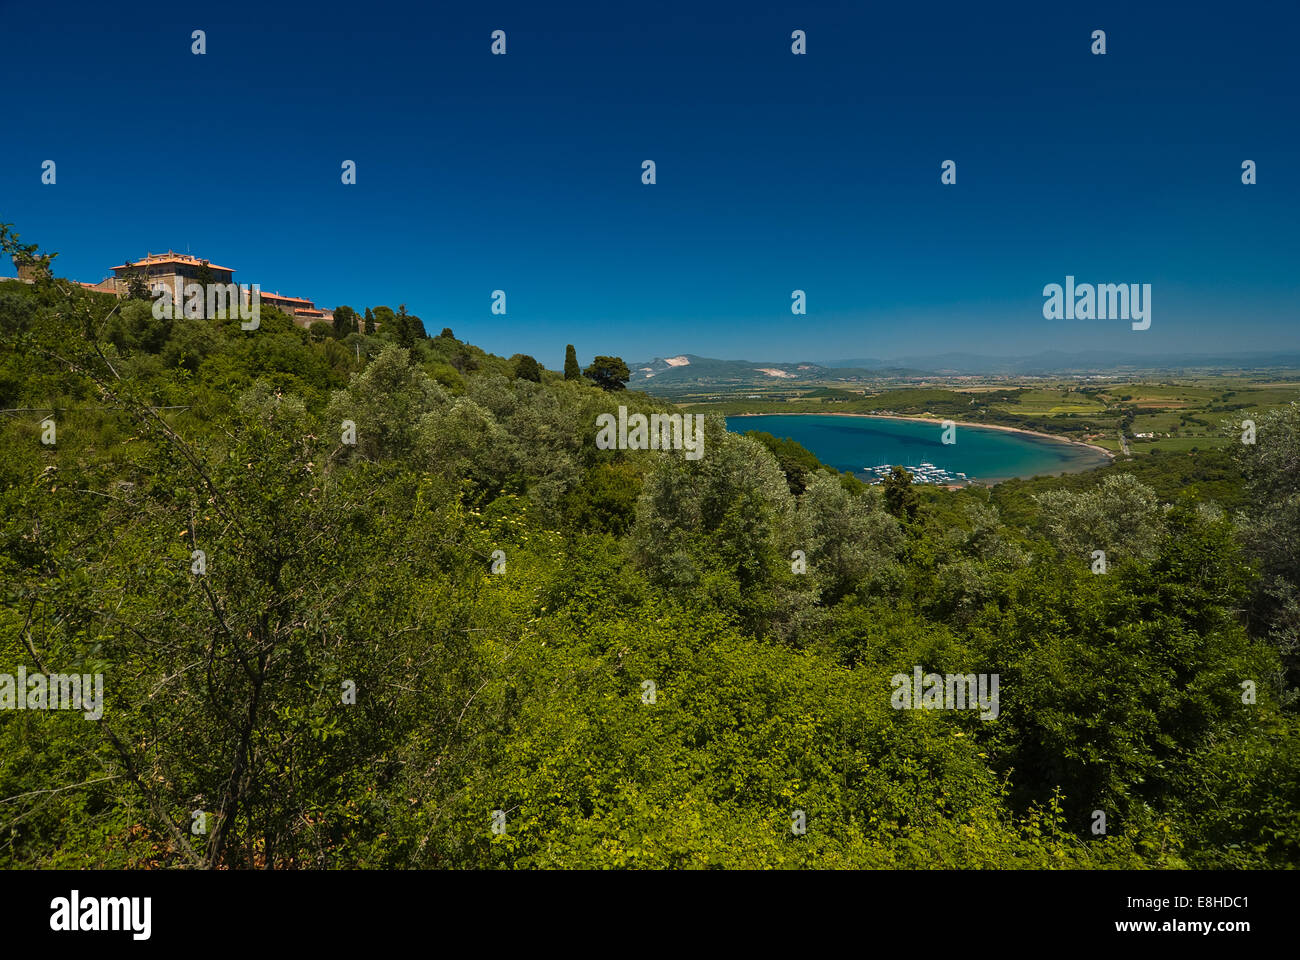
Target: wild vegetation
{"points": [[471, 617]]}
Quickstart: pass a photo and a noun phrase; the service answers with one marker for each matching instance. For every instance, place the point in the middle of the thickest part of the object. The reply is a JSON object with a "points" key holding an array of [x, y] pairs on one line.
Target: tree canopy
{"points": [[608, 373], [357, 607]]}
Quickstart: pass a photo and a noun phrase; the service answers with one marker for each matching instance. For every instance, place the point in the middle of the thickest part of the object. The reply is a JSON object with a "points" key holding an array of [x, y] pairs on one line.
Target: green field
{"points": [[1179, 415]]}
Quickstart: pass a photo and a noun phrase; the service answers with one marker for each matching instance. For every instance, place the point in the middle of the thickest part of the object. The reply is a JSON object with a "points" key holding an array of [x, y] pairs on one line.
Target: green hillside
{"points": [[380, 601]]}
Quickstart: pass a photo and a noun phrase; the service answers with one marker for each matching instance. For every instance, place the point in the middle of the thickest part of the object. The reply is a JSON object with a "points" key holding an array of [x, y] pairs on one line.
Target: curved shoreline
{"points": [[978, 426]]}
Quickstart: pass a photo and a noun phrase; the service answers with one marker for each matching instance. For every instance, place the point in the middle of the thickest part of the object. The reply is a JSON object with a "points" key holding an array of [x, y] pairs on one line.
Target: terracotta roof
{"points": [[280, 296], [152, 259]]}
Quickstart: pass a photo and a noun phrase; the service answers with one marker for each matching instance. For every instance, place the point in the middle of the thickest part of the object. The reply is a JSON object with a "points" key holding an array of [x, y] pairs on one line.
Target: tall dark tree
{"points": [[527, 368], [408, 327], [370, 323], [137, 288], [447, 334], [608, 373], [386, 322], [571, 369], [464, 361], [900, 498], [417, 327], [345, 321]]}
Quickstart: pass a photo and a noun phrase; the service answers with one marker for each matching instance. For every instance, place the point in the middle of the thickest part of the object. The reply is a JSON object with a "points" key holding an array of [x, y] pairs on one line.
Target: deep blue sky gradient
{"points": [[775, 172]]}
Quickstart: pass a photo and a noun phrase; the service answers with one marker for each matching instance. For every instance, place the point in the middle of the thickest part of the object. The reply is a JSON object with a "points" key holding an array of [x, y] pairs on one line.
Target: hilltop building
{"points": [[171, 267], [304, 312], [168, 268], [26, 270]]}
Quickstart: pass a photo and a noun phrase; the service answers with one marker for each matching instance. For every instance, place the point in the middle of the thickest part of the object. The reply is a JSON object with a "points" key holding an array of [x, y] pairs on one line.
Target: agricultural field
{"points": [[1169, 415], [1056, 401]]}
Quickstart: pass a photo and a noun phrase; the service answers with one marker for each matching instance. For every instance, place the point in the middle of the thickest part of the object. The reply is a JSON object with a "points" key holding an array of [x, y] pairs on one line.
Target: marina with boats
{"points": [[924, 472]]}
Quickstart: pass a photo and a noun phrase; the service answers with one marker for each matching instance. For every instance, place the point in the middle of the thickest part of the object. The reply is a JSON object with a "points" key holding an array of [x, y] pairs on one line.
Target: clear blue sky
{"points": [[775, 171]]}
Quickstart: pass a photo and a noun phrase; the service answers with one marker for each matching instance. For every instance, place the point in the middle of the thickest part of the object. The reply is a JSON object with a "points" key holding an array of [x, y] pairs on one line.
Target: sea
{"points": [[860, 443]]}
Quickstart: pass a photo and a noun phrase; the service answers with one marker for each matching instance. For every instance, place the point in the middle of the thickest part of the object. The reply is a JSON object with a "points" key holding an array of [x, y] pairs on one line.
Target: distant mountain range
{"points": [[687, 369]]}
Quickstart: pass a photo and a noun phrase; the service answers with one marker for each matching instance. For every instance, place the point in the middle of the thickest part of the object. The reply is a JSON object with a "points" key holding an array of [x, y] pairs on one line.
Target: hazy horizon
{"points": [[1123, 355], [775, 172]]}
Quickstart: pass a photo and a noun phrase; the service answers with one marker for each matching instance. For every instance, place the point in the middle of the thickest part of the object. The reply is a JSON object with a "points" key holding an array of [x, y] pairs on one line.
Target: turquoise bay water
{"points": [[856, 443]]}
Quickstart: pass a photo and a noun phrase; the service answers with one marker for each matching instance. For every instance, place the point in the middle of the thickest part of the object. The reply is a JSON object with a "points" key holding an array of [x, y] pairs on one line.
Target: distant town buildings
{"points": [[170, 268]]}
